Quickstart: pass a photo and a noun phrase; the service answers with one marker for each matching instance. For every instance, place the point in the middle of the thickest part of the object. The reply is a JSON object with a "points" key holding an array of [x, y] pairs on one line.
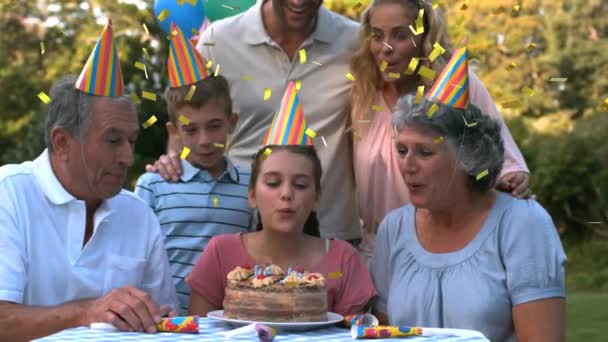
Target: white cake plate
{"points": [[332, 318]]}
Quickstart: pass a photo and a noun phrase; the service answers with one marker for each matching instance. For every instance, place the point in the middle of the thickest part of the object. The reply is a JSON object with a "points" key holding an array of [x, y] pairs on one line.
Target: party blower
{"points": [[384, 331]]}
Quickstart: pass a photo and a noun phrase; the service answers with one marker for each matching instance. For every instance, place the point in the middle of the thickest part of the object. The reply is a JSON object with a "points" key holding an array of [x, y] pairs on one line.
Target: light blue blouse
{"points": [[516, 257]]}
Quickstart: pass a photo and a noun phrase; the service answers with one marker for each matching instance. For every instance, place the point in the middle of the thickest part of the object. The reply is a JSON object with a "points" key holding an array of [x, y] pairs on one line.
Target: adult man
{"points": [[75, 248], [266, 47]]}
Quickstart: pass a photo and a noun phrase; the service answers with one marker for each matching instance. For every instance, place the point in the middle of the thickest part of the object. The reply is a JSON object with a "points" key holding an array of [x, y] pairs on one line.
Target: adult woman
{"points": [[462, 254], [285, 188], [386, 48]]}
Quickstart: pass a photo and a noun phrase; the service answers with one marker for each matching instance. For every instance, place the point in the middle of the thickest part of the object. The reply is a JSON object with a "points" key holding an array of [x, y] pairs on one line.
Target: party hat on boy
{"points": [[101, 74], [452, 86], [288, 125], [186, 66]]}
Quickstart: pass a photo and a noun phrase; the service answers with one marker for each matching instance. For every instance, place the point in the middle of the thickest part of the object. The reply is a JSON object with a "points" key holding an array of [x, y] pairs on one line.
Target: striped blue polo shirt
{"points": [[194, 210]]}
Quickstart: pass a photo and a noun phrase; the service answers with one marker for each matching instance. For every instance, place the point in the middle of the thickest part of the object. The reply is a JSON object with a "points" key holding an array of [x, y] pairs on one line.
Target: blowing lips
{"points": [[285, 212], [413, 187]]}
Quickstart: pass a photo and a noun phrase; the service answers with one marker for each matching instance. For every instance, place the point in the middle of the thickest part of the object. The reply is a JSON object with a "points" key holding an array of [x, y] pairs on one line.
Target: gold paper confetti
{"points": [[267, 94], [298, 84], [357, 6], [218, 145], [420, 22], [148, 95], [192, 2], [334, 275], [217, 71], [387, 45], [469, 124], [511, 66], [419, 93], [427, 73], [209, 64], [558, 79], [145, 29], [438, 140], [194, 31], [604, 105], [377, 108], [432, 110], [511, 104], [482, 174], [515, 9], [464, 6], [185, 153], [438, 50], [44, 97], [190, 93], [411, 68], [135, 98], [310, 133], [531, 47], [383, 66], [146, 53], [151, 121], [350, 76], [42, 48], [183, 119], [302, 56], [528, 91], [267, 152], [215, 201], [140, 65], [324, 142], [435, 4], [247, 78], [394, 75], [163, 15]]}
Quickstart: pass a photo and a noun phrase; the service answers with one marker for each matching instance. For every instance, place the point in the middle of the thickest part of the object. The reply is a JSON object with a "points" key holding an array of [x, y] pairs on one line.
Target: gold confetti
{"points": [[302, 56], [482, 174], [511, 66], [190, 93], [146, 29], [163, 15], [267, 94], [464, 6], [151, 121], [146, 53], [419, 93], [357, 6], [215, 201], [438, 50], [310, 133], [247, 78], [511, 104], [531, 47], [350, 76], [383, 66], [194, 31], [218, 145], [388, 46], [185, 153], [183, 119], [394, 75], [209, 64], [515, 9], [135, 98], [208, 44], [435, 4], [528, 91], [267, 152], [44, 97], [558, 79], [604, 105], [469, 124], [228, 7], [427, 73], [42, 48], [419, 22], [298, 84], [334, 275], [217, 71], [148, 95], [411, 68], [324, 142], [192, 2], [438, 140], [377, 108], [140, 65], [432, 110]]}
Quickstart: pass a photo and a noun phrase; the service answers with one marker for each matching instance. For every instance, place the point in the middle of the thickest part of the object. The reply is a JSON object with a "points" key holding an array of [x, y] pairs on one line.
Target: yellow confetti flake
{"points": [[302, 56], [511, 66], [515, 9], [163, 15], [427, 73], [151, 121], [528, 91], [215, 200], [267, 94], [217, 71], [310, 133], [472, 124], [146, 53], [377, 108], [411, 68], [135, 98], [209, 64], [383, 66], [190, 93], [432, 110], [419, 22], [194, 31], [357, 6], [438, 50], [511, 104], [192, 2], [435, 4], [185, 153], [394, 75], [145, 29], [482, 174], [183, 119], [140, 65], [604, 105], [44, 97], [148, 95], [464, 6], [531, 47], [218, 145], [438, 140], [350, 76], [334, 275], [419, 93], [247, 78], [267, 152], [42, 48], [298, 84], [558, 79]]}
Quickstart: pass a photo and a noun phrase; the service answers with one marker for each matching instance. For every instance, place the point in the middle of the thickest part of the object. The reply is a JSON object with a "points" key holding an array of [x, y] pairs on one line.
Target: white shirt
{"points": [[42, 229]]}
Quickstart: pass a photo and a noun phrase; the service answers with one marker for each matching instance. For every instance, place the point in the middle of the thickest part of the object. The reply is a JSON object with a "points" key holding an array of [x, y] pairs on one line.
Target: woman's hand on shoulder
{"points": [[168, 166], [517, 183]]}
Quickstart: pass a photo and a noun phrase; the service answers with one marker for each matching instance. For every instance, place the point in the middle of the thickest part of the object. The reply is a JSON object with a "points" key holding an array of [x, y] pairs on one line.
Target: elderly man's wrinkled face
{"points": [[106, 151], [297, 15]]}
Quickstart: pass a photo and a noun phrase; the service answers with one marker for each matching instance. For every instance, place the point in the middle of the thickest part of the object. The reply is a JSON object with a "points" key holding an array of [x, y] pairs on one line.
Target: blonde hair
{"points": [[368, 79]]}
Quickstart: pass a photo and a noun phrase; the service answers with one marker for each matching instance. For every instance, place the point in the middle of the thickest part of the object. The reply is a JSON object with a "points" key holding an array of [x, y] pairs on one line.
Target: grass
{"points": [[587, 317]]}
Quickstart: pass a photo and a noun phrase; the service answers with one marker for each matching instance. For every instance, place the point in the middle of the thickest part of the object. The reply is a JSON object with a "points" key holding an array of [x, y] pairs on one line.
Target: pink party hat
{"points": [[288, 126]]}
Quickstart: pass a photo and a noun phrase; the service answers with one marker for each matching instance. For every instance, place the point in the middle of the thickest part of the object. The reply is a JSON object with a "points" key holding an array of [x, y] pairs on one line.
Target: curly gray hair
{"points": [[478, 145]]}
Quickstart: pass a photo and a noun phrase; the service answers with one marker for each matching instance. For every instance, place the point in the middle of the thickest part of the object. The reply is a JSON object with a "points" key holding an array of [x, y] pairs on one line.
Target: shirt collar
{"points": [[255, 33], [51, 187], [190, 171]]}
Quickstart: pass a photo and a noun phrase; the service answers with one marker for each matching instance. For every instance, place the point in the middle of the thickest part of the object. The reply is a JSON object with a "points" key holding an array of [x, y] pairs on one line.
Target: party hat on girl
{"points": [[101, 74], [452, 86], [288, 125], [186, 66]]}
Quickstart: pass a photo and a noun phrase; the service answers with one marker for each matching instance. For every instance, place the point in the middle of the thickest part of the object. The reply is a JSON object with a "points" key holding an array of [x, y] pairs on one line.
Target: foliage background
{"points": [[561, 129]]}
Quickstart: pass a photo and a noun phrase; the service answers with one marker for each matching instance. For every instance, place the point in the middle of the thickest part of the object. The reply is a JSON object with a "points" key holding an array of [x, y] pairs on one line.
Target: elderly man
{"points": [[76, 248]]}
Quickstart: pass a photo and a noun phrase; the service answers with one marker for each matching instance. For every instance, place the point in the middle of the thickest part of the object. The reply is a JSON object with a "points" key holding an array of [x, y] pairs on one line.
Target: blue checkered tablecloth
{"points": [[211, 331]]}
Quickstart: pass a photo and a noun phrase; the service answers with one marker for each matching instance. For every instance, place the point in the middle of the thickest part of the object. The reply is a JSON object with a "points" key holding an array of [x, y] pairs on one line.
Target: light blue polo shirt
{"points": [[194, 210]]}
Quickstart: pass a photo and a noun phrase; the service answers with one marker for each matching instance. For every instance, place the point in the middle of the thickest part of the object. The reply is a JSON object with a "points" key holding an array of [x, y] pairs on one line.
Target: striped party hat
{"points": [[452, 86], [102, 75], [288, 126], [186, 66]]}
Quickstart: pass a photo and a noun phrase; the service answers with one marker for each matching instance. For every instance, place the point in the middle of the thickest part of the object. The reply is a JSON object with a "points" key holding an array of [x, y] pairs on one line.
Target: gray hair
{"points": [[70, 109], [478, 147]]}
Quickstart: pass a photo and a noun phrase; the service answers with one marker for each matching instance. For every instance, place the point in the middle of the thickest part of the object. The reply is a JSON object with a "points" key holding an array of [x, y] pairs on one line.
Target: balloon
{"points": [[185, 15], [216, 9]]}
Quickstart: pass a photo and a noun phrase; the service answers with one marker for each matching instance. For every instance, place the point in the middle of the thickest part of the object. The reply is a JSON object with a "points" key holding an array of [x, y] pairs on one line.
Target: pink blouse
{"points": [[347, 294], [379, 183]]}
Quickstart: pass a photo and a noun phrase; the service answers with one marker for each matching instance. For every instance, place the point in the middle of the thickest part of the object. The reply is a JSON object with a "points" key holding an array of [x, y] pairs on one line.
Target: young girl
{"points": [[285, 188]]}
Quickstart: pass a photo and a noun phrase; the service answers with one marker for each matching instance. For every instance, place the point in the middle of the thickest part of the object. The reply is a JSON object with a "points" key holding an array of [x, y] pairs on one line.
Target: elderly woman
{"points": [[463, 255]]}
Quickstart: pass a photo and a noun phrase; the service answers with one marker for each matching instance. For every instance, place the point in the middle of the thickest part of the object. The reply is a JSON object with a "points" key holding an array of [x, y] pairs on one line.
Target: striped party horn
{"points": [[383, 331], [366, 320], [186, 324]]}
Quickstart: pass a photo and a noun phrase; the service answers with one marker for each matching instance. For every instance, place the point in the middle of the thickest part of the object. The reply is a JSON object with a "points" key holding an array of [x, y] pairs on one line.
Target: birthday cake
{"points": [[267, 294]]}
